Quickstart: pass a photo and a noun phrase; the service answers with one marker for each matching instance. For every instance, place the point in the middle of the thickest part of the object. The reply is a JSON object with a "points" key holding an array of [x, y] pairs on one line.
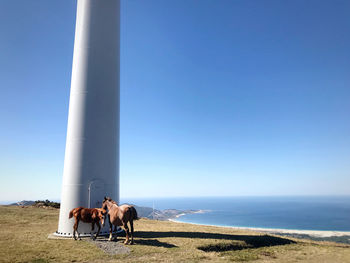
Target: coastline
{"points": [[186, 213], [311, 233]]}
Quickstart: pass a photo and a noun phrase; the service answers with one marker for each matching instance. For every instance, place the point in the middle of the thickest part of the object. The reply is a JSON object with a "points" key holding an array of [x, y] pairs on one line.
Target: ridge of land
{"points": [[24, 232]]}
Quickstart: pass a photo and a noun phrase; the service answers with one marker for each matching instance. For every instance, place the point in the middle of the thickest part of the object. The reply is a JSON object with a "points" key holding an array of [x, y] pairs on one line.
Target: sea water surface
{"points": [[302, 213]]}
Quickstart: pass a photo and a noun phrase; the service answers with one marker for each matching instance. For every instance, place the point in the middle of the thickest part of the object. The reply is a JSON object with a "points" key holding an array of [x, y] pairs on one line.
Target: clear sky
{"points": [[218, 97]]}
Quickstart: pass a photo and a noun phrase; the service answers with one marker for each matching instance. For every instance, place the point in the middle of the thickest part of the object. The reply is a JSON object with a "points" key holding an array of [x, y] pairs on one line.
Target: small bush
{"points": [[47, 203]]}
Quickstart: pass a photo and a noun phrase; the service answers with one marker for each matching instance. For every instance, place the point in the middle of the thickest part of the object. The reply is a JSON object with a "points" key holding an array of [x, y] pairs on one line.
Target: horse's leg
{"points": [[78, 231], [110, 229], [116, 233], [75, 228], [92, 229], [75, 223], [132, 231], [125, 225], [98, 230]]}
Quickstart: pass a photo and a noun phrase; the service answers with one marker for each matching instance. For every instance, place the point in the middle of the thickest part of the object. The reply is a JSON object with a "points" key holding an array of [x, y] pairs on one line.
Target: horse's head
{"points": [[106, 202], [102, 215]]}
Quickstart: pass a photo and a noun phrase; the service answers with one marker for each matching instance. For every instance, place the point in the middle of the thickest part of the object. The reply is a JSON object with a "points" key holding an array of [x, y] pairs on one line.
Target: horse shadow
{"points": [[153, 242], [139, 241], [249, 241]]}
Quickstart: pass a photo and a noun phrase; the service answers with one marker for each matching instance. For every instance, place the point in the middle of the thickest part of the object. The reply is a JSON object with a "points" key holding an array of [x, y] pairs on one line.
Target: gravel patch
{"points": [[110, 247]]}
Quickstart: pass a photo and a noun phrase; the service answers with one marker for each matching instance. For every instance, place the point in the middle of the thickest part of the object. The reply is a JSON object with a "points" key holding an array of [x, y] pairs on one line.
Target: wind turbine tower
{"points": [[91, 164]]}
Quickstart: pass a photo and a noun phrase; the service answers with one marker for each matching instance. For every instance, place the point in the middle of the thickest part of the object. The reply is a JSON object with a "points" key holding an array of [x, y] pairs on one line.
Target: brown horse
{"points": [[120, 216], [88, 215]]}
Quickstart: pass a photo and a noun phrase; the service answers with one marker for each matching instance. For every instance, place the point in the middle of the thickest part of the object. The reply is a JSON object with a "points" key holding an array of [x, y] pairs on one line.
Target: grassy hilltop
{"points": [[24, 233]]}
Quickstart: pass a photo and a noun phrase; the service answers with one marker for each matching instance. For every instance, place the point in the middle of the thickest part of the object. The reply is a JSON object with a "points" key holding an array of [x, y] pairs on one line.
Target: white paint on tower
{"points": [[91, 165]]}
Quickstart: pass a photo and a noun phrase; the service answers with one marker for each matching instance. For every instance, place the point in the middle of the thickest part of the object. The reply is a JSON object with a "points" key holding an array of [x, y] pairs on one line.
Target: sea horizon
{"points": [[298, 212], [315, 213], [149, 198]]}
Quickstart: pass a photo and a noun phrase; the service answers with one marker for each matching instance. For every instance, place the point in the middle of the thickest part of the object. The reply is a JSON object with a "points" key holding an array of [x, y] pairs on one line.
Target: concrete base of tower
{"points": [[58, 235]]}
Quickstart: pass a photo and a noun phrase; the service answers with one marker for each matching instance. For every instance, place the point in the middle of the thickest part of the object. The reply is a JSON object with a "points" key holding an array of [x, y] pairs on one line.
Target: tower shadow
{"points": [[249, 241]]}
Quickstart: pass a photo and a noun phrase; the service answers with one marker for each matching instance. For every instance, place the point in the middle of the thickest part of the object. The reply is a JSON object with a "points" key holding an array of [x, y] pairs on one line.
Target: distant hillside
{"points": [[146, 212], [156, 214], [38, 203], [23, 203]]}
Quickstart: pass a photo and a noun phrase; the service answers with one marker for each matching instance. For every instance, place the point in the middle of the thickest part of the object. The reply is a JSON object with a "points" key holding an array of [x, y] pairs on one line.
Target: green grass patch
{"points": [[24, 233]]}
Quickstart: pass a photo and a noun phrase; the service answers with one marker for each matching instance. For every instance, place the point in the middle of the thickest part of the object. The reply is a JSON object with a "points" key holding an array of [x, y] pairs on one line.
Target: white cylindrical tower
{"points": [[91, 165]]}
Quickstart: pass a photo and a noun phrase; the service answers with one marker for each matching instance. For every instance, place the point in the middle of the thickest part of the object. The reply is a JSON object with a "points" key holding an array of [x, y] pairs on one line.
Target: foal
{"points": [[88, 215], [120, 216]]}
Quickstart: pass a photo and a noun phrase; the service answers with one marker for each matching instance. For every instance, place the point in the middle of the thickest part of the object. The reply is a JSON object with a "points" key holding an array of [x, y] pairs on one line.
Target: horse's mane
{"points": [[110, 200]]}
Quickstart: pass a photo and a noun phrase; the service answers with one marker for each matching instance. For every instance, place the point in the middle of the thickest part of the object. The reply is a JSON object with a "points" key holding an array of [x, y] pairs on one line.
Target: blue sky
{"points": [[218, 98]]}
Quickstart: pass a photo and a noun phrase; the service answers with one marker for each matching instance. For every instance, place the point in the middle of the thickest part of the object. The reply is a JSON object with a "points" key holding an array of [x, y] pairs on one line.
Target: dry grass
{"points": [[24, 234]]}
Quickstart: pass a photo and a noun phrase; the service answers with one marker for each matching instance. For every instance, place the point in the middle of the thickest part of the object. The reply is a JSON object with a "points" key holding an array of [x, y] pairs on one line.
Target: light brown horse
{"points": [[120, 216], [88, 215]]}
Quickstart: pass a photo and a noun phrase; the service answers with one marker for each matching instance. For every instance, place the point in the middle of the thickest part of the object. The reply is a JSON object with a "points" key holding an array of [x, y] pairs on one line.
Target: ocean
{"points": [[301, 213]]}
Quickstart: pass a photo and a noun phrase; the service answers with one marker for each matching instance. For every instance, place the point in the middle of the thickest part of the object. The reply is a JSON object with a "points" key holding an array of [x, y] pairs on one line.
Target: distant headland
{"points": [[142, 211]]}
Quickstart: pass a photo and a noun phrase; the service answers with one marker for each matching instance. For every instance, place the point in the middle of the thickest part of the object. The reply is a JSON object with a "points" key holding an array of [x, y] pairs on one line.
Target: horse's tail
{"points": [[133, 213], [71, 213], [74, 210]]}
